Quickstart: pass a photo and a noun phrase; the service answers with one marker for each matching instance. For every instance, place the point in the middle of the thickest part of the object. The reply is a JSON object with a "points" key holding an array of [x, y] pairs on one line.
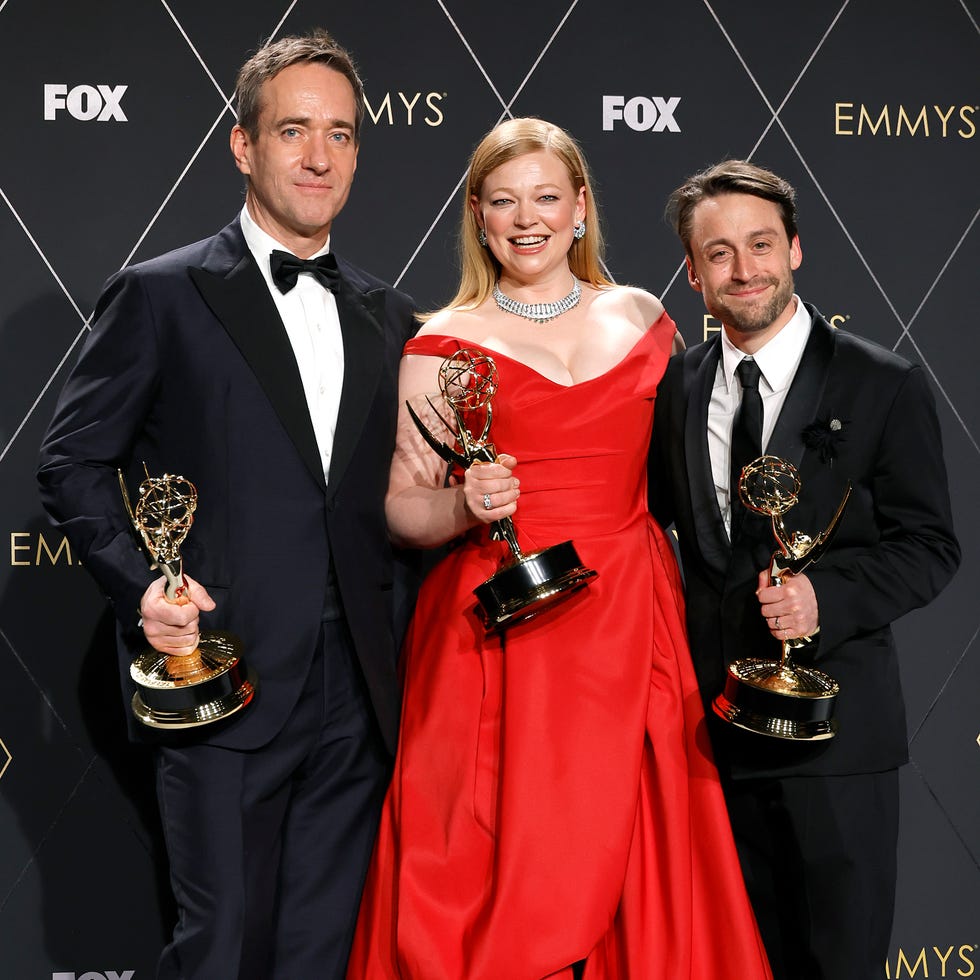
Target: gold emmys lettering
{"points": [[525, 584], [212, 682]]}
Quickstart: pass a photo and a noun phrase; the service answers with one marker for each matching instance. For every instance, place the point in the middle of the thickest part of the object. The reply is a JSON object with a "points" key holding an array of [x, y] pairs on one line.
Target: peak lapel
{"points": [[361, 323], [805, 393], [240, 299]]}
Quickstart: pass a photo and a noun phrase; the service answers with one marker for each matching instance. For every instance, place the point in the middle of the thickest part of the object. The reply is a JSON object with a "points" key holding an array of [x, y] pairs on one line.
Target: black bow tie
{"points": [[286, 268]]}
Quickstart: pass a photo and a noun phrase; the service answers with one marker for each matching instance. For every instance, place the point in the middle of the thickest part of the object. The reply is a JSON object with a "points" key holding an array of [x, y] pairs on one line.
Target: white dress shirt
{"points": [[778, 360], [309, 313]]}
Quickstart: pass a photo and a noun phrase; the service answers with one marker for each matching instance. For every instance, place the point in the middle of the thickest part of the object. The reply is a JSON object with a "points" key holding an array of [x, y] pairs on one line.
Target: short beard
{"points": [[757, 321]]}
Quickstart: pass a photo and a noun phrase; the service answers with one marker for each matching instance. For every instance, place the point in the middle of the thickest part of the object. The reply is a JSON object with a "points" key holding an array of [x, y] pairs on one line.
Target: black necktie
{"points": [[746, 433], [286, 268]]}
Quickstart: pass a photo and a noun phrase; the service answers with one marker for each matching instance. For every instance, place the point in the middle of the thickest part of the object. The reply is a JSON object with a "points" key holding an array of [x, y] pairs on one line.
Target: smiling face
{"points": [[742, 263], [301, 164], [528, 208]]}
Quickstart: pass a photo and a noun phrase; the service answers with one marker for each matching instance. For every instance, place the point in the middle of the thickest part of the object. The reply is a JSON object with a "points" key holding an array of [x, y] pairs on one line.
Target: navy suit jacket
{"points": [[894, 549], [188, 368]]}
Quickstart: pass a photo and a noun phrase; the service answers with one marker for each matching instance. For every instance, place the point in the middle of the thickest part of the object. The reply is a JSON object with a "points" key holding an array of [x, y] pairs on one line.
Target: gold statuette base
{"points": [[769, 697], [208, 685]]}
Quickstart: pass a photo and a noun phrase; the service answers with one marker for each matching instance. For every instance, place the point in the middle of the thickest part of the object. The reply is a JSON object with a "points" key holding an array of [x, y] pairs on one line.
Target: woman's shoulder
{"points": [[639, 306], [466, 325], [448, 322]]}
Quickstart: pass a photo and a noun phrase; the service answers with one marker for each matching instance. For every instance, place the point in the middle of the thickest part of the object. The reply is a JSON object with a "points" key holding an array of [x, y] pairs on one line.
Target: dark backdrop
{"points": [[115, 120]]}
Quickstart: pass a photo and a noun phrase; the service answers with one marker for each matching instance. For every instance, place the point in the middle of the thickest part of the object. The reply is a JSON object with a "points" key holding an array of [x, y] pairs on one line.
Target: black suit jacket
{"points": [[188, 368], [894, 550]]}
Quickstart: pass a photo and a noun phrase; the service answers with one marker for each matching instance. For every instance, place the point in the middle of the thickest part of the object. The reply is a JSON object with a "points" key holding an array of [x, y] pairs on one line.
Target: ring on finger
{"points": [[486, 502], [776, 624]]}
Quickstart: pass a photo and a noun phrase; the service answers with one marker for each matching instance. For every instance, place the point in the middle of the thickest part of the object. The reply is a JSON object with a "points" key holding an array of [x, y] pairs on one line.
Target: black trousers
{"points": [[269, 849], [819, 855]]}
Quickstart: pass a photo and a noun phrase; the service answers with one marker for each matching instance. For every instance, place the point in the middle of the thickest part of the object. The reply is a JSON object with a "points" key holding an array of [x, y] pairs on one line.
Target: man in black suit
{"points": [[816, 822], [276, 396]]}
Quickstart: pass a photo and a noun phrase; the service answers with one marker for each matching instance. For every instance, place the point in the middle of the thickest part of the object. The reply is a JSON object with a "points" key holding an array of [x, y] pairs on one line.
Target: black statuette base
{"points": [[766, 697], [530, 585]]}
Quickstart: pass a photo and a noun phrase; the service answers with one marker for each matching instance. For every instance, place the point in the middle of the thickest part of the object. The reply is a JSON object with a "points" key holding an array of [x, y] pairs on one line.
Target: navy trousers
{"points": [[268, 849]]}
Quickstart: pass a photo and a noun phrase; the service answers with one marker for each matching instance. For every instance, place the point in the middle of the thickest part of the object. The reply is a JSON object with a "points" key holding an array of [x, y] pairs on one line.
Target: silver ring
{"points": [[775, 625], [486, 502]]}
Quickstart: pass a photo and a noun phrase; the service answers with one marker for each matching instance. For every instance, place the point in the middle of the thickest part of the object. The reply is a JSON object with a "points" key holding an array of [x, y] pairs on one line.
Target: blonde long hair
{"points": [[479, 269]]}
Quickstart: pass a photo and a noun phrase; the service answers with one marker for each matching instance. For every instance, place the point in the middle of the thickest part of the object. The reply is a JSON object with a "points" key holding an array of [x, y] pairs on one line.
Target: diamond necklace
{"points": [[538, 312]]}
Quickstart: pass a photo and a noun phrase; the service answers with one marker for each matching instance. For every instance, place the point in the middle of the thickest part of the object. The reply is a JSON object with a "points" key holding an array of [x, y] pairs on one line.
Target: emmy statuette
{"points": [[777, 697], [211, 683], [525, 584]]}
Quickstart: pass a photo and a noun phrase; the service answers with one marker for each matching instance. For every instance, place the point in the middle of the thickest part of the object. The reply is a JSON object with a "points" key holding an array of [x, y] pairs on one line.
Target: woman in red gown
{"points": [[554, 810]]}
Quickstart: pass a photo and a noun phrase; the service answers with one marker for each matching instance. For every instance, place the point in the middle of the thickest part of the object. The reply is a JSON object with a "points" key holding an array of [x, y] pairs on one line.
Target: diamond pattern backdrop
{"points": [[868, 106]]}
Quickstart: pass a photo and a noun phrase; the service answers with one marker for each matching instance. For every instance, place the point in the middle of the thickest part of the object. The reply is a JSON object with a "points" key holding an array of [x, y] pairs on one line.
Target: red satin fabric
{"points": [[554, 797]]}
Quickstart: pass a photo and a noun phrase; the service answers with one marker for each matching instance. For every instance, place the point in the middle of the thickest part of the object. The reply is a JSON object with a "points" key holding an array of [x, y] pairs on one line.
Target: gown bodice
{"points": [[575, 444]]}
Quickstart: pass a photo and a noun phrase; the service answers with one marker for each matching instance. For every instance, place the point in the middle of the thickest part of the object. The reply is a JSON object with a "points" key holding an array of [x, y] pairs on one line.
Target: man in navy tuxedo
{"points": [[276, 395], [816, 822]]}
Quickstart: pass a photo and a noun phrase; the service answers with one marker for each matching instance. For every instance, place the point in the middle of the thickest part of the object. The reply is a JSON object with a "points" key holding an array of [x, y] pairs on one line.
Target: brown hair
{"points": [[317, 46], [730, 177]]}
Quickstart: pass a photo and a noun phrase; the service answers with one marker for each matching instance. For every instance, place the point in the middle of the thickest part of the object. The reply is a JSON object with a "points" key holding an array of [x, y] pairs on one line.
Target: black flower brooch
{"points": [[825, 436]]}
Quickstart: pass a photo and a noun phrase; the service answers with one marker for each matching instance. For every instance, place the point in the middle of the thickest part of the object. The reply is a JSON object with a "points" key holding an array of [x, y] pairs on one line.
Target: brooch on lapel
{"points": [[825, 436]]}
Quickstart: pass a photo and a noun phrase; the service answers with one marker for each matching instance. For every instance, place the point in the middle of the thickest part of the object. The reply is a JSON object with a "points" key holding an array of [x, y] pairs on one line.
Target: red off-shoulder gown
{"points": [[554, 797]]}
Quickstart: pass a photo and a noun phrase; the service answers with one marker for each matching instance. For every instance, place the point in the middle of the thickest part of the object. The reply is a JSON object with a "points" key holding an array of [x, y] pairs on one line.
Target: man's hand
{"points": [[790, 609], [172, 627]]}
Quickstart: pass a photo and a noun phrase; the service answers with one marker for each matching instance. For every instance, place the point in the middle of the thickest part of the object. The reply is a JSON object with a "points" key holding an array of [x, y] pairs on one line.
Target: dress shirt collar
{"points": [[778, 358], [261, 244]]}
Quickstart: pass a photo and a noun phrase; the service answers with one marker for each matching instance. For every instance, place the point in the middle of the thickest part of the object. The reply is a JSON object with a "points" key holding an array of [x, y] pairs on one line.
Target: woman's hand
{"points": [[490, 490]]}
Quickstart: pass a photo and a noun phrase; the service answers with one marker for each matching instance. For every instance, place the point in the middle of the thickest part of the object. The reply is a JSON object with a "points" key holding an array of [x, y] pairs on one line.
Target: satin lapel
{"points": [[805, 393], [240, 299], [361, 323], [712, 537]]}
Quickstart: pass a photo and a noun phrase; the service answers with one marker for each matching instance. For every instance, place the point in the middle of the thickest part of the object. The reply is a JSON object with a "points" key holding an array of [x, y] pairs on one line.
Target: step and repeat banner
{"points": [[115, 120]]}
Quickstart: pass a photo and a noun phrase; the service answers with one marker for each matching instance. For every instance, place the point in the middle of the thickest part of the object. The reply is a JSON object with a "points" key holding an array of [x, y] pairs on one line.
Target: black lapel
{"points": [[361, 323], [239, 298], [756, 542], [805, 393], [711, 534]]}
